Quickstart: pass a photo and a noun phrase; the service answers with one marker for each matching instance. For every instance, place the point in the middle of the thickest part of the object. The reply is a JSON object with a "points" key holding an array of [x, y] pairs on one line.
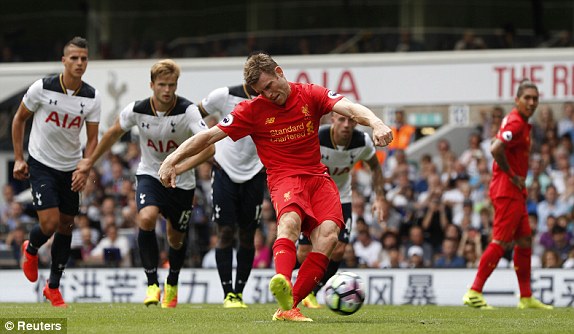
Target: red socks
{"points": [[310, 274], [285, 257], [488, 263], [522, 265]]}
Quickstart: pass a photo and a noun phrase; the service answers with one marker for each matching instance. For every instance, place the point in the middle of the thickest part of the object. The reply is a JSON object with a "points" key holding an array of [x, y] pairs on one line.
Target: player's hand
{"points": [[378, 209], [79, 180], [20, 171], [382, 134], [518, 181], [167, 175], [80, 175]]}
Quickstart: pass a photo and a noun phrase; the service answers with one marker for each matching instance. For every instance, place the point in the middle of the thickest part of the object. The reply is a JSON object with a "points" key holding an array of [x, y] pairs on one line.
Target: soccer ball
{"points": [[344, 293]]}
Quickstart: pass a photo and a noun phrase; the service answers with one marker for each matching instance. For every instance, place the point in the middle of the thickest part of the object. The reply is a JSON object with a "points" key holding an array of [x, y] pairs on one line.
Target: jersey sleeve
{"points": [[510, 129], [196, 122], [33, 97], [325, 98], [214, 101], [238, 123], [128, 117], [95, 112]]}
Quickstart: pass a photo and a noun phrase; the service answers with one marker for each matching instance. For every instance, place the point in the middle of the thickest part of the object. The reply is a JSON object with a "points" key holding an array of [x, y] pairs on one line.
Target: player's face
{"points": [[342, 128], [273, 87], [527, 103], [164, 88], [75, 61]]}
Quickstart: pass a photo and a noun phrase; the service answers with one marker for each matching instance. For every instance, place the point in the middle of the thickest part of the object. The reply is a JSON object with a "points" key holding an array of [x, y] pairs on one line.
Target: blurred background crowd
{"points": [[438, 213], [438, 209]]}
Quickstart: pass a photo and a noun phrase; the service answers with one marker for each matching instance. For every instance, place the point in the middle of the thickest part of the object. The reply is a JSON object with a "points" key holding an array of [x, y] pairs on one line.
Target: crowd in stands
{"points": [[284, 43], [438, 213]]}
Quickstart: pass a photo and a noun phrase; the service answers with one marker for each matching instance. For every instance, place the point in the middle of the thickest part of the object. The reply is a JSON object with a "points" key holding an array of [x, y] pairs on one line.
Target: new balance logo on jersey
{"points": [[142, 198], [172, 126], [270, 120], [352, 156], [145, 126], [54, 101], [82, 105], [162, 147], [38, 198], [64, 121]]}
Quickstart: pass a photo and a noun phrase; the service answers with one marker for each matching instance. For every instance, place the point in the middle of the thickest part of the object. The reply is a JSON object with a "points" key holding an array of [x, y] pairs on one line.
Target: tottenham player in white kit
{"points": [[165, 120], [238, 184], [342, 146], [60, 106]]}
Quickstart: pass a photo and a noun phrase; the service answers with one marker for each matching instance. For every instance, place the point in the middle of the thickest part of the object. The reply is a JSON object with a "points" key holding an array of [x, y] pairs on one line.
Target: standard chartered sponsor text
{"points": [[289, 133]]}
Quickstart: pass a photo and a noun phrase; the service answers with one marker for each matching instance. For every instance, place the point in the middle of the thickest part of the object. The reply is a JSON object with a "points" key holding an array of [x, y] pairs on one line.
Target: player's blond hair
{"points": [[164, 67], [256, 64]]}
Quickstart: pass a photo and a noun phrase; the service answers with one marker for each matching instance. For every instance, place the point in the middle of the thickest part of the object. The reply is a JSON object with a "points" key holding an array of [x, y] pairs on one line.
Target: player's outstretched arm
{"points": [[111, 136], [192, 146], [79, 179], [382, 134], [195, 160], [20, 171], [378, 187]]}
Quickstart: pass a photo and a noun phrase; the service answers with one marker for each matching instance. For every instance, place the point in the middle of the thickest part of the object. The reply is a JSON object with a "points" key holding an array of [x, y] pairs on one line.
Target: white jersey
{"points": [[161, 135], [340, 160], [59, 115], [238, 159]]}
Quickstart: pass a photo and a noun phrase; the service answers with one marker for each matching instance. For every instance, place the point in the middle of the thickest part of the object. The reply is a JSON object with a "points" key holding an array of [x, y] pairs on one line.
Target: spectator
{"points": [[415, 257], [472, 154], [14, 240], [551, 259], [8, 198], [407, 43], [367, 249], [113, 250], [350, 260], [569, 263], [389, 242], [445, 154], [560, 242], [416, 238], [434, 221], [537, 173], [403, 133], [469, 41], [262, 257], [449, 257], [551, 205], [566, 123], [471, 252]]}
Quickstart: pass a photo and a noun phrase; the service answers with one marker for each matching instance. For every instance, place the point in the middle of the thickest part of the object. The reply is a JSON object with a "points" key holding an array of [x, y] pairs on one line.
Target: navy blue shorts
{"points": [[237, 204], [174, 204], [344, 234], [52, 188]]}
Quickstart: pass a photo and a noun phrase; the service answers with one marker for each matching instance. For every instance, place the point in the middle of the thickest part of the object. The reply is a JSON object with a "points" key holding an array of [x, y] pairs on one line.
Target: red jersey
{"points": [[515, 133], [286, 136]]}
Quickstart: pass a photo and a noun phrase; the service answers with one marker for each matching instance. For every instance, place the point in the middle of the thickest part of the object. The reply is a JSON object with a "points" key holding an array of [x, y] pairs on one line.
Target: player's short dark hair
{"points": [[525, 84], [77, 41]]}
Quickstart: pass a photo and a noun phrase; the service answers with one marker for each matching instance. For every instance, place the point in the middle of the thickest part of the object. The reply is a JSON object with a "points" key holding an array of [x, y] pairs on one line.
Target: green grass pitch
{"points": [[214, 319]]}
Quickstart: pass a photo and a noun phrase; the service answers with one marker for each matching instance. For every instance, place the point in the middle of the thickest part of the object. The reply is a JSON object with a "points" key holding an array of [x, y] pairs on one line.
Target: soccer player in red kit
{"points": [[283, 122], [511, 150]]}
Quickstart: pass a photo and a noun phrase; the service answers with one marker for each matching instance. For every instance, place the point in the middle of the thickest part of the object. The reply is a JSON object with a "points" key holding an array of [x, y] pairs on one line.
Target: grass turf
{"points": [[211, 319]]}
